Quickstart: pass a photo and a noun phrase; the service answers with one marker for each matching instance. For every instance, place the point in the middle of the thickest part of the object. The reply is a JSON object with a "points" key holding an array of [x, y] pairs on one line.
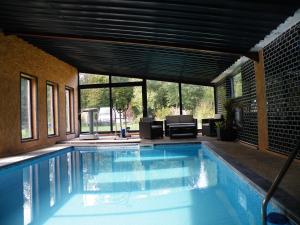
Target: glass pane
{"points": [[52, 178], [26, 121], [93, 165], [115, 79], [99, 99], [69, 160], [27, 193], [50, 109], [127, 107], [68, 111], [87, 78], [163, 99], [198, 101], [237, 85]]}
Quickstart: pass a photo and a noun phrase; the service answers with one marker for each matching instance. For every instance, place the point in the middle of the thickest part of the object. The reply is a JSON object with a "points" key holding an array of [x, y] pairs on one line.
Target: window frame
{"points": [[185, 86], [33, 92], [111, 85], [55, 108], [71, 110], [143, 84], [233, 86], [92, 83]]}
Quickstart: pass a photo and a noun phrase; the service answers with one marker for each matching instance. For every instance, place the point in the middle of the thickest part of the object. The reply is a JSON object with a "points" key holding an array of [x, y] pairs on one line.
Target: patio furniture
{"points": [[181, 126], [209, 125], [150, 129]]}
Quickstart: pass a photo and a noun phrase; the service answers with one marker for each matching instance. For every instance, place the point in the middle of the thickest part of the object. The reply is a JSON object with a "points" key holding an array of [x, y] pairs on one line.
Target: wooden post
{"points": [[261, 101]]}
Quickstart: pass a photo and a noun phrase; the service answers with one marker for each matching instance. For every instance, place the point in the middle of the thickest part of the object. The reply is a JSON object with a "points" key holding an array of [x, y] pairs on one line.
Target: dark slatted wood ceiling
{"points": [[192, 41]]}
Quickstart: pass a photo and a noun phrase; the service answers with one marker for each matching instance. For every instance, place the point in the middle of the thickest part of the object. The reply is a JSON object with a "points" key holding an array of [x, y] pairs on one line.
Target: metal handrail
{"points": [[277, 181]]}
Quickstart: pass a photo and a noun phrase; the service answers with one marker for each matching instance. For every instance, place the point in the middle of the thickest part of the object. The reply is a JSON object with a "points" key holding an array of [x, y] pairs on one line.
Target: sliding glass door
{"points": [[127, 107], [95, 98]]}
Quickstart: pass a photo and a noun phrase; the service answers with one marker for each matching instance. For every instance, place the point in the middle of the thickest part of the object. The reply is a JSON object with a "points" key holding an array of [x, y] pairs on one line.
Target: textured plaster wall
{"points": [[16, 56]]}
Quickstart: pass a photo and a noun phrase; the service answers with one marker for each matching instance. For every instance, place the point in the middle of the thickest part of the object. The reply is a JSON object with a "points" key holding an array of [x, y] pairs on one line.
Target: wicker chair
{"points": [[209, 125], [150, 129]]}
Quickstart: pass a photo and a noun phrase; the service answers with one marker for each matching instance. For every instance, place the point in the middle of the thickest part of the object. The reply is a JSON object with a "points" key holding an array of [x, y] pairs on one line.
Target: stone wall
{"points": [[282, 76], [16, 57]]}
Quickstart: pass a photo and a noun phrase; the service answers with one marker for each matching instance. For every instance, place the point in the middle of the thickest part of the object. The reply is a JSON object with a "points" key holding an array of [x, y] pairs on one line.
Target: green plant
{"points": [[219, 124], [229, 116], [229, 107]]}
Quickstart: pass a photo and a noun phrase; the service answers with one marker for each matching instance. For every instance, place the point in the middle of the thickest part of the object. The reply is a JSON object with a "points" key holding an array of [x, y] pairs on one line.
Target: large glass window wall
{"points": [[121, 101]]}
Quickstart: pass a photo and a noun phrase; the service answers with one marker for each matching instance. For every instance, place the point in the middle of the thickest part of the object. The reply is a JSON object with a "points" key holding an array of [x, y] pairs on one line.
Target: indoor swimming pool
{"points": [[173, 184]]}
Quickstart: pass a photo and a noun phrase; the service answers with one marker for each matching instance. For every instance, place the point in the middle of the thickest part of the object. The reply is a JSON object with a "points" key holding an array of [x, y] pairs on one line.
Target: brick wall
{"points": [[247, 101], [282, 77], [282, 74]]}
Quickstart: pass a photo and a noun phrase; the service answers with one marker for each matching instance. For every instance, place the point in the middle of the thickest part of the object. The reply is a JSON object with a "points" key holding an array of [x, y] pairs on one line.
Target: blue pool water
{"points": [[161, 185]]}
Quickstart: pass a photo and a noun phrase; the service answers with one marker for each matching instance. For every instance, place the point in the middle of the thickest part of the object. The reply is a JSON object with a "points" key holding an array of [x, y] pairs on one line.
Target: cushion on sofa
{"points": [[180, 119], [173, 119], [186, 119], [156, 126], [182, 124]]}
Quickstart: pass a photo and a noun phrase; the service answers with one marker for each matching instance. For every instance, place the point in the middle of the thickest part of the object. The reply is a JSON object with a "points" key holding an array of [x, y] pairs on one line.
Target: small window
{"points": [[52, 106], [52, 181], [116, 79], [237, 86], [69, 110], [28, 107], [87, 78]]}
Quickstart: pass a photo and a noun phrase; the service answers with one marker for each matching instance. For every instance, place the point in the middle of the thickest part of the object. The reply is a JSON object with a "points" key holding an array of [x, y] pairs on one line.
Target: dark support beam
{"points": [[111, 106], [144, 97], [125, 84], [79, 105], [141, 43], [215, 99], [180, 98]]}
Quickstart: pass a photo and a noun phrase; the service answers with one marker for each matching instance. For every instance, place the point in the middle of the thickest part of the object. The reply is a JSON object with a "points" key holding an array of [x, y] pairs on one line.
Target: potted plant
{"points": [[219, 125], [226, 130]]}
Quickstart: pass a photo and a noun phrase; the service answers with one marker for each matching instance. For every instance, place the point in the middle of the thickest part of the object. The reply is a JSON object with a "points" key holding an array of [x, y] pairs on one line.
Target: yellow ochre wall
{"points": [[16, 56]]}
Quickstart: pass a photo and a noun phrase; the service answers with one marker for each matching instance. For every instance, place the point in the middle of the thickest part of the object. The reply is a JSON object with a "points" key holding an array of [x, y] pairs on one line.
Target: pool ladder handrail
{"points": [[277, 181]]}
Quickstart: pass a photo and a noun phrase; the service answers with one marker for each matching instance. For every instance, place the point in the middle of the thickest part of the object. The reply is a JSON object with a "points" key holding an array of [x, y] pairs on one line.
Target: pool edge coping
{"points": [[16, 160]]}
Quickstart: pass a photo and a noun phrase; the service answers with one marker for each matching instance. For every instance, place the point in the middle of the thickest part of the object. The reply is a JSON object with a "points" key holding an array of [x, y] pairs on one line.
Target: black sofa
{"points": [[181, 126]]}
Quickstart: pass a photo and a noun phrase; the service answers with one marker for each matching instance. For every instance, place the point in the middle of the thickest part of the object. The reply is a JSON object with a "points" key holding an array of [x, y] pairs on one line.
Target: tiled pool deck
{"points": [[260, 167]]}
